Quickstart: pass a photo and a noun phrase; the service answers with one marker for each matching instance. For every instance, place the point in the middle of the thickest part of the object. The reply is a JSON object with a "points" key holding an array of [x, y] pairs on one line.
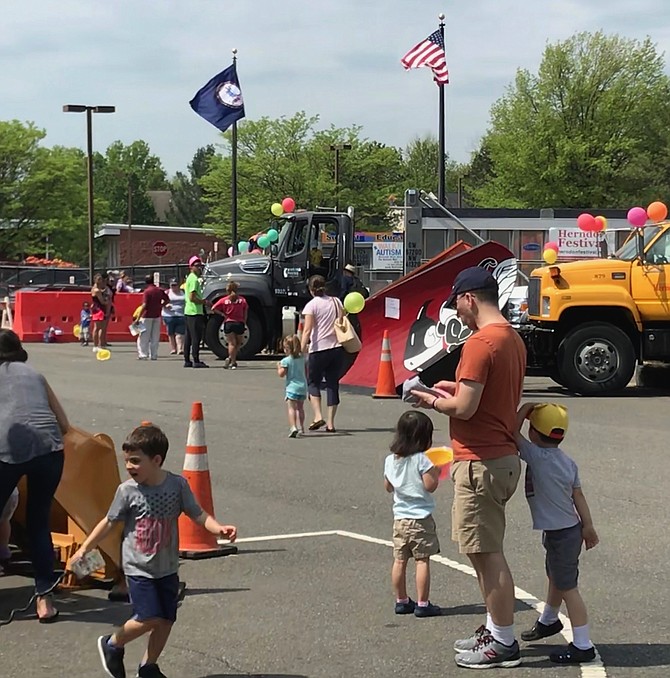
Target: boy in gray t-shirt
{"points": [[149, 505], [559, 509]]}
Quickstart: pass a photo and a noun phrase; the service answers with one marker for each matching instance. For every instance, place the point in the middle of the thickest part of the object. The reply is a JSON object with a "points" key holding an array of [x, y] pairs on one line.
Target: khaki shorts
{"points": [[415, 538], [481, 491]]}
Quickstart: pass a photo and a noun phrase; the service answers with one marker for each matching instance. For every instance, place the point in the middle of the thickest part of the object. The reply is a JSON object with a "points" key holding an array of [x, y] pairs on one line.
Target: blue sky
{"points": [[335, 58]]}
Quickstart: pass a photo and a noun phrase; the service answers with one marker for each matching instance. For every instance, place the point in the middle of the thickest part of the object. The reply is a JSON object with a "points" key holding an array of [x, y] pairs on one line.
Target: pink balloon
{"points": [[586, 222], [230, 251], [552, 246], [288, 204], [637, 216]]}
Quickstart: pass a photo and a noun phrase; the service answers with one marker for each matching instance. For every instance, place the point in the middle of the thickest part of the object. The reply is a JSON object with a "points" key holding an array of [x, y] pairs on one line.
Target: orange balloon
{"points": [[602, 223], [657, 211]]}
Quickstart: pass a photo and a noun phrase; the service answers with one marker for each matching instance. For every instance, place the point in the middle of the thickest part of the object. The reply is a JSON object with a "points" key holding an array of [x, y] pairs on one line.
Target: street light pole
{"points": [[89, 110], [337, 148]]}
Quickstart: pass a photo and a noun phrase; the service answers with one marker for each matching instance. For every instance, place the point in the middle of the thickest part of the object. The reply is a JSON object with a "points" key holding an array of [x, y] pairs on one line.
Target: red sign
{"points": [[159, 248]]}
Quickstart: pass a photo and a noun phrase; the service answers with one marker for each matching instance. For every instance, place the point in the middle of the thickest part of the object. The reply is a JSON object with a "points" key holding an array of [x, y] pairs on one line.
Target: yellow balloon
{"points": [[277, 209], [549, 256], [602, 221], [76, 330], [137, 311], [354, 302], [103, 354]]}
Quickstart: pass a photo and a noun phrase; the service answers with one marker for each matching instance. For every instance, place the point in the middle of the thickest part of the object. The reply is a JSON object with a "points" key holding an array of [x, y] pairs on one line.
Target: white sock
{"points": [[503, 634], [549, 615], [489, 621], [580, 637]]}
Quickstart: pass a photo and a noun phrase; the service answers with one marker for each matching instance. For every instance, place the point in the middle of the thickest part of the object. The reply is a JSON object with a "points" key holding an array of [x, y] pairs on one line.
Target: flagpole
{"points": [[441, 191], [233, 192]]}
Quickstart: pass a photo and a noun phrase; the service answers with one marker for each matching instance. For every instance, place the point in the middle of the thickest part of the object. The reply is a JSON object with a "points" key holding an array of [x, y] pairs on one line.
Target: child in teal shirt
{"points": [[293, 368]]}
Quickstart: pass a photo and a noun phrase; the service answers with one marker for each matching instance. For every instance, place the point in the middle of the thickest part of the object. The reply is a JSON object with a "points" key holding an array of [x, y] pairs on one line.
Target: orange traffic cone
{"points": [[195, 541], [385, 377]]}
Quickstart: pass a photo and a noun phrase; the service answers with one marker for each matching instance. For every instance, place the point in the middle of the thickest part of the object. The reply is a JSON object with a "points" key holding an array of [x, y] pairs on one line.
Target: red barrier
{"points": [[34, 312]]}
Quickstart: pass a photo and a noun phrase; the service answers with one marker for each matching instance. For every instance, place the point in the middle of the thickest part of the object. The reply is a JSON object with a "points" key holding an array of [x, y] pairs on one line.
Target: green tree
{"points": [[189, 208], [42, 195], [289, 157], [420, 166], [129, 169], [592, 128]]}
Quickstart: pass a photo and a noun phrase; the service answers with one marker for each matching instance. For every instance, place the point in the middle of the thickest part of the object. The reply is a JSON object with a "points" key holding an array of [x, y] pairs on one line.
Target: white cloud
{"points": [[337, 58]]}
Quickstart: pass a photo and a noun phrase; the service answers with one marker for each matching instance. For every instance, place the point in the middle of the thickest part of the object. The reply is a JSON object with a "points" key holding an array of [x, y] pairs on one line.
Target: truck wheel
{"points": [[596, 358], [252, 338]]}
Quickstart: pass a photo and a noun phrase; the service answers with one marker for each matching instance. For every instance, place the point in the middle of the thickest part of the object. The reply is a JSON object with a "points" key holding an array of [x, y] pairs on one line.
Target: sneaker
{"points": [[188, 363], [489, 654], [95, 349], [111, 658], [469, 644], [142, 357], [226, 363], [150, 671], [200, 364], [429, 610], [405, 608], [233, 366], [293, 433], [541, 630], [573, 655], [173, 352]]}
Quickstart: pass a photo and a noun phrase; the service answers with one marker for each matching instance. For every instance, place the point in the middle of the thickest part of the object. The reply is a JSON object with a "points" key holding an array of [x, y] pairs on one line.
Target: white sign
{"points": [[576, 244], [387, 256], [392, 308]]}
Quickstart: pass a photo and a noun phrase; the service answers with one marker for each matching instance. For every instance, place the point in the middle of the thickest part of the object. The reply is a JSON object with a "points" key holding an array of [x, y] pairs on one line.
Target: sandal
{"points": [[316, 425], [330, 430], [50, 619]]}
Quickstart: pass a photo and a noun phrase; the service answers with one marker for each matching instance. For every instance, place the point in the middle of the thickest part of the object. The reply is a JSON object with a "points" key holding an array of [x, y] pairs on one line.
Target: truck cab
{"points": [[310, 243], [592, 321]]}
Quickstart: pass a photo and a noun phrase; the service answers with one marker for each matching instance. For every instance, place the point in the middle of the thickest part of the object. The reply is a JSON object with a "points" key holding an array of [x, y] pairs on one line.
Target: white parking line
{"points": [[594, 669]]}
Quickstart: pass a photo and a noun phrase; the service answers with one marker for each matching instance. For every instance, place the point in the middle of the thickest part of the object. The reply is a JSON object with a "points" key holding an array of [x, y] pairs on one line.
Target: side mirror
{"points": [[274, 250]]}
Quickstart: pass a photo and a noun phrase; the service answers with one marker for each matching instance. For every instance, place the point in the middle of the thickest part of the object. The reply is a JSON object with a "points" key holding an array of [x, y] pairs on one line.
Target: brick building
{"points": [[150, 245]]}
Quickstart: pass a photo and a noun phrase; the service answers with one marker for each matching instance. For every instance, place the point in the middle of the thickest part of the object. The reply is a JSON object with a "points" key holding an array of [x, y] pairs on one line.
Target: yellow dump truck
{"points": [[591, 322]]}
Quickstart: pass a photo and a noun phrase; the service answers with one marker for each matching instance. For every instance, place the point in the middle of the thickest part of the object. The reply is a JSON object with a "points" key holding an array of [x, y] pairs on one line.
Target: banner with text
{"points": [[387, 256], [576, 244]]}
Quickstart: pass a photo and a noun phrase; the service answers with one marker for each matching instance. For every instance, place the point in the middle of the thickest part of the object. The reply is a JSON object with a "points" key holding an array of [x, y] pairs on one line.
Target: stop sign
{"points": [[160, 248]]}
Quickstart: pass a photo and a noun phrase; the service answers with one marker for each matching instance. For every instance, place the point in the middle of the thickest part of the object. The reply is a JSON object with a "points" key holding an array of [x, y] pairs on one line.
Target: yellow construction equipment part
{"points": [[90, 478]]}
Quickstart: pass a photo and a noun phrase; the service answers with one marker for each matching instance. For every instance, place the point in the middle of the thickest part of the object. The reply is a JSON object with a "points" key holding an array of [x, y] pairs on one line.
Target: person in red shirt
{"points": [[150, 314], [234, 309], [482, 405]]}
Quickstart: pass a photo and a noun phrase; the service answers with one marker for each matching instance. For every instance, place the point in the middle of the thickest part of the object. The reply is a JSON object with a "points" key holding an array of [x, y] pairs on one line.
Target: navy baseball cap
{"points": [[470, 280]]}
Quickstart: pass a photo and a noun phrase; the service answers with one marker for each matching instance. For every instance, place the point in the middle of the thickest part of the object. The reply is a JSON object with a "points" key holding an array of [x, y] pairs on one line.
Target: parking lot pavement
{"points": [[321, 605]]}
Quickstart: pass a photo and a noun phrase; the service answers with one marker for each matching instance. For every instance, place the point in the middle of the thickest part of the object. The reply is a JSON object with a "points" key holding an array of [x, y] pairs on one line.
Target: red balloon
{"points": [[288, 204], [552, 246], [587, 222]]}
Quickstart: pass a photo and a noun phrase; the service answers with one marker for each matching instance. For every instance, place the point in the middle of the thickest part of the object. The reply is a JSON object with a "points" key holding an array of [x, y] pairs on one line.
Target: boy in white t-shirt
{"points": [[558, 508], [412, 478]]}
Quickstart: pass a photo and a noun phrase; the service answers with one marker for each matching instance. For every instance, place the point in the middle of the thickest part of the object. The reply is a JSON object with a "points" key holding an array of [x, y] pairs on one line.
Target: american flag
{"points": [[429, 53]]}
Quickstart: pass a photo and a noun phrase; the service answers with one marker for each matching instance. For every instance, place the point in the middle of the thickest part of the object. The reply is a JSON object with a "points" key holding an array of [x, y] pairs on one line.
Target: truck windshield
{"points": [[628, 251]]}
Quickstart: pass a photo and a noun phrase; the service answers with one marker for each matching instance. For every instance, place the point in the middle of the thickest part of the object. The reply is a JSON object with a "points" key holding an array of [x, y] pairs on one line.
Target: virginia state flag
{"points": [[220, 101]]}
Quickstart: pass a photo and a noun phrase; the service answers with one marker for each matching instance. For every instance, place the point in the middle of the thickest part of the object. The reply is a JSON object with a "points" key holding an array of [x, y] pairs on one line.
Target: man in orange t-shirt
{"points": [[482, 405]]}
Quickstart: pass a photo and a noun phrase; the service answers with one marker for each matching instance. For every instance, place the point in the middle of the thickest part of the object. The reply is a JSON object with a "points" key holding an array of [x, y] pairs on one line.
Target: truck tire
{"points": [[253, 337], [596, 359]]}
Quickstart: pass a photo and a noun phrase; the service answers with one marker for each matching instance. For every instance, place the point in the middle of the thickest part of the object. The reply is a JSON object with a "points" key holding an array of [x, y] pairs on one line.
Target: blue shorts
{"points": [[154, 598], [175, 325], [295, 396]]}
